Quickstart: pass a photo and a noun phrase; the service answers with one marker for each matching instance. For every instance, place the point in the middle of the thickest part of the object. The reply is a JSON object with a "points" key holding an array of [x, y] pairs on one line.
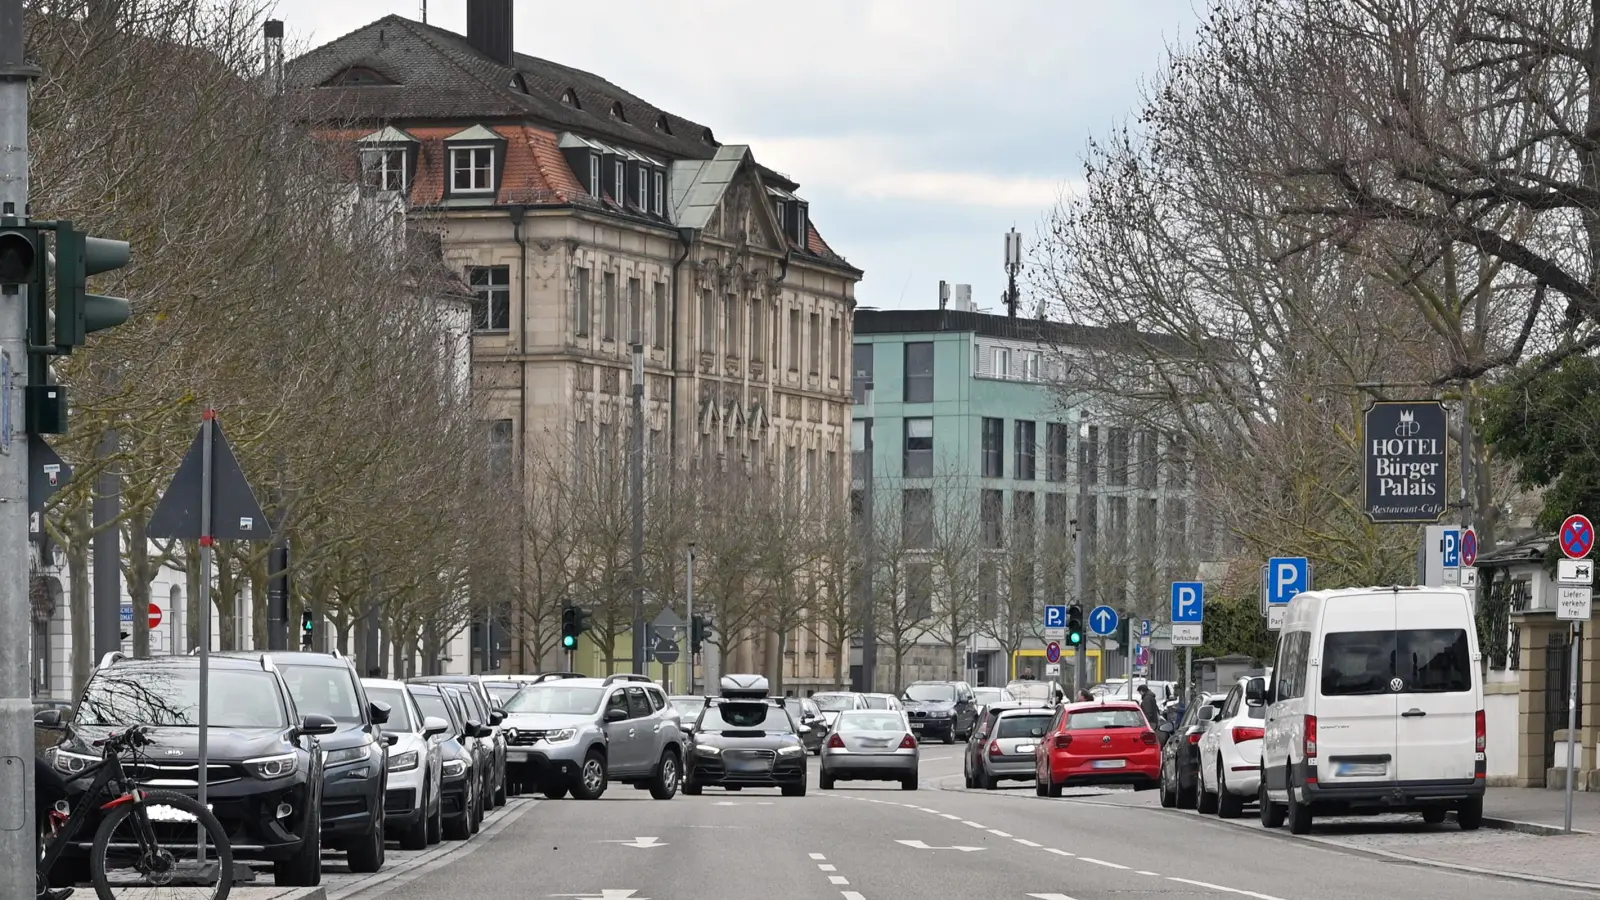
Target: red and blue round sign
{"points": [[1576, 537], [1052, 652], [1469, 548]]}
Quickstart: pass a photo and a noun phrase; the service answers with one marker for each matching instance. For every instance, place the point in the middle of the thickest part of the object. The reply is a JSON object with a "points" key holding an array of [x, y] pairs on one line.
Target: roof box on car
{"points": [[744, 687]]}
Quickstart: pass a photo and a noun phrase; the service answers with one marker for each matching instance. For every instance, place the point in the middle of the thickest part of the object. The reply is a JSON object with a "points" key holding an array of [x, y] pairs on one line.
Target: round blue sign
{"points": [[1052, 652], [1103, 620]]}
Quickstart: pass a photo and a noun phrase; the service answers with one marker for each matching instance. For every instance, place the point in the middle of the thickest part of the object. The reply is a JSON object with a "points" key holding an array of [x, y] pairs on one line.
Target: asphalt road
{"points": [[942, 842]]}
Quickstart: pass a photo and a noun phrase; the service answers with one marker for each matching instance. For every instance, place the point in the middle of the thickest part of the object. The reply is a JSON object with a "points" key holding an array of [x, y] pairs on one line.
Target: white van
{"points": [[1375, 705]]}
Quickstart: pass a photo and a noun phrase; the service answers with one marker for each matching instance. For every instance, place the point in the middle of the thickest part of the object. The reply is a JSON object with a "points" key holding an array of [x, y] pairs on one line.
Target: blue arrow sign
{"points": [[1286, 577], [1450, 544], [1055, 617], [1188, 602], [1103, 620]]}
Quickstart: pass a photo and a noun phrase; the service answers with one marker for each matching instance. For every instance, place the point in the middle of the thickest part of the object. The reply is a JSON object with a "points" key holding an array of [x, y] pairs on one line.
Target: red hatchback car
{"points": [[1097, 743]]}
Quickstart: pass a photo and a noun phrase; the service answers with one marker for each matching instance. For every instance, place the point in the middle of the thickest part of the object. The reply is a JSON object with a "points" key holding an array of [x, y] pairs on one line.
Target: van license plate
{"points": [[1356, 770], [1110, 764]]}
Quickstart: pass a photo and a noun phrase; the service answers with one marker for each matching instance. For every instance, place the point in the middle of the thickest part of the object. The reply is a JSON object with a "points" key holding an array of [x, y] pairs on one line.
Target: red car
{"points": [[1097, 743]]}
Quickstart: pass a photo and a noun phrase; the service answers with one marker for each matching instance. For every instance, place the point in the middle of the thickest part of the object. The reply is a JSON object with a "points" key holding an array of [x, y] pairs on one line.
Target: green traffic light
{"points": [[569, 642], [1075, 638]]}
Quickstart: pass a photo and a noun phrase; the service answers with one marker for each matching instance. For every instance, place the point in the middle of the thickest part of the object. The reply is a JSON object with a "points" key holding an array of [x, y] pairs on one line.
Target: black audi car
{"points": [[263, 758], [947, 710], [744, 738]]}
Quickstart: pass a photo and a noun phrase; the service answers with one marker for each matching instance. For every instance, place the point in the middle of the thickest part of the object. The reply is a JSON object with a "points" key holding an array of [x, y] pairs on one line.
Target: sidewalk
{"points": [[240, 892], [1527, 842]]}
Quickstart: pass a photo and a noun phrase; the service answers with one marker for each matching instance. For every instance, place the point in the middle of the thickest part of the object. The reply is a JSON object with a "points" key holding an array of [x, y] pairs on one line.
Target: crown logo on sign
{"points": [[1408, 424], [1407, 417]]}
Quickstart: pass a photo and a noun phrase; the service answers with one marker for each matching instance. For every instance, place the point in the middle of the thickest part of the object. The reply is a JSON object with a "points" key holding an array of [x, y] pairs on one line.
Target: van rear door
{"points": [[1355, 704], [1438, 698]]}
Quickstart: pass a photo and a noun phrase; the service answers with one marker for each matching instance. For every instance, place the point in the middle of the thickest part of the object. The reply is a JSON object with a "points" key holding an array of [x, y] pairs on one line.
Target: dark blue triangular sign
{"points": [[235, 514]]}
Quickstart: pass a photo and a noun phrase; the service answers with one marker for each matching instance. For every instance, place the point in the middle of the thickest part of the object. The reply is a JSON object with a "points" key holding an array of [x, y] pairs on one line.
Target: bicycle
{"points": [[163, 827]]}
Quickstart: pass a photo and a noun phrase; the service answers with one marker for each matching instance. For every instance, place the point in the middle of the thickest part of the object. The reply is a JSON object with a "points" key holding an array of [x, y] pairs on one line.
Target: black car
{"points": [[808, 720], [355, 770], [1180, 754], [460, 771], [947, 710], [745, 739], [482, 709], [264, 760]]}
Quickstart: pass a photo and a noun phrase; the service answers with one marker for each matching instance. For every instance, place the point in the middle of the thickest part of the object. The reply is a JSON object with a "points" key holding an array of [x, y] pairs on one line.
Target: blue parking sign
{"points": [[1286, 577], [1055, 617], [1188, 602]]}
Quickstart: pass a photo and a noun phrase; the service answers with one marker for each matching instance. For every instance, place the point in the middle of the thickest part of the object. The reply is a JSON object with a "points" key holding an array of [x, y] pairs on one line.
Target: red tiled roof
{"points": [[535, 171]]}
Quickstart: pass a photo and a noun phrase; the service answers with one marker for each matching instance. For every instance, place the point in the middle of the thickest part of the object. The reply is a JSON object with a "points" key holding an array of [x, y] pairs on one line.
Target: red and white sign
{"points": [[1576, 536], [155, 615]]}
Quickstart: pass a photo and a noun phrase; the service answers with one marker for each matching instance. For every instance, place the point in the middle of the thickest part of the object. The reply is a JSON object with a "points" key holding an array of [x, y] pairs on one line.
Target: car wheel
{"points": [[554, 788], [1469, 815], [500, 791], [794, 790], [1271, 813], [1229, 804], [416, 837], [436, 821], [460, 827], [950, 736], [990, 783], [1169, 797], [1298, 815], [1433, 816], [691, 790], [476, 821], [825, 782], [366, 854], [304, 869], [1038, 787], [591, 781], [665, 785], [1207, 800], [909, 783], [1187, 797]]}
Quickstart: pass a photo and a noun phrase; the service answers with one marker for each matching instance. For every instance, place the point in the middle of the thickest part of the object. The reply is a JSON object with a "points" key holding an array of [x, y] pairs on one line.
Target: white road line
{"points": [[1218, 887], [936, 758], [1025, 842], [852, 895], [827, 867], [818, 856], [998, 833], [971, 823], [1058, 852], [949, 816], [838, 879], [1143, 872], [1101, 862]]}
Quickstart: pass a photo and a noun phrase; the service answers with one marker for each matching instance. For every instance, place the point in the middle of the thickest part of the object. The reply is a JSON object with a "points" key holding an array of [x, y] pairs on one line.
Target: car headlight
{"points": [[940, 714], [557, 737], [268, 767], [453, 767], [347, 755], [73, 763], [791, 750], [707, 749], [403, 762]]}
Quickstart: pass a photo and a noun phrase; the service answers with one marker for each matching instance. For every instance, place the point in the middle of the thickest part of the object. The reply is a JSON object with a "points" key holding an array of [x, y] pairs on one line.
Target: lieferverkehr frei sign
{"points": [[1406, 445]]}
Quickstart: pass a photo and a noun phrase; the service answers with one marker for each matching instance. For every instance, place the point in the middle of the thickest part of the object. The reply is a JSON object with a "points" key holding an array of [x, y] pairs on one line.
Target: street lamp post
{"points": [[637, 452], [1079, 543], [688, 608]]}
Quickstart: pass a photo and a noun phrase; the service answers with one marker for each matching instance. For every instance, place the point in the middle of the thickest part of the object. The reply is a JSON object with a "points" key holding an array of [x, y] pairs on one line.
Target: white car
{"points": [[411, 801], [1230, 750], [834, 702], [882, 701]]}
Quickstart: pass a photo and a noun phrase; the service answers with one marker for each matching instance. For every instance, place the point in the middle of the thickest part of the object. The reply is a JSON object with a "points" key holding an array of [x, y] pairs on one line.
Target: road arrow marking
{"points": [[744, 803], [918, 845], [606, 894], [643, 843]]}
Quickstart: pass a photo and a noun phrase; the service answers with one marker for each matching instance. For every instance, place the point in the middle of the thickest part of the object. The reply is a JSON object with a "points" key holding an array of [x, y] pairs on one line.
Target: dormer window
{"points": [[619, 183], [594, 175], [571, 99], [802, 235], [519, 84], [705, 135], [781, 207], [663, 125], [384, 169], [471, 170], [643, 196], [661, 193], [616, 112]]}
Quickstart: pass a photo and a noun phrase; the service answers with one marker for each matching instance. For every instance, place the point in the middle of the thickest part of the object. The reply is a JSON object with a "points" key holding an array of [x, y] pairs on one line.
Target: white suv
{"points": [[411, 800], [1230, 751]]}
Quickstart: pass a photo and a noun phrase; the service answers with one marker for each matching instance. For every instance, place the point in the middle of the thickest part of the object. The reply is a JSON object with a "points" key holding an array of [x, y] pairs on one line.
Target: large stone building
{"points": [[586, 218]]}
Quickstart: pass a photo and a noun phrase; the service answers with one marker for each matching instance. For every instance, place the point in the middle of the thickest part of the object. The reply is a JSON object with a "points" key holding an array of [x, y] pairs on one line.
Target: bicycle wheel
{"points": [[121, 859]]}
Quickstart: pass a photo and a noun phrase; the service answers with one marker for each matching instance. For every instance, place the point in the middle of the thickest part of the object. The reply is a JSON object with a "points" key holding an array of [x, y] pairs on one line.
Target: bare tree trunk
{"points": [[139, 573], [227, 601], [82, 602]]}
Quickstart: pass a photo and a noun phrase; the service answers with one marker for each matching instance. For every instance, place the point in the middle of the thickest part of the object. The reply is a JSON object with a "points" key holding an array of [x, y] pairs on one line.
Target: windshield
{"points": [[932, 693], [1107, 718], [433, 705], [746, 717], [170, 695], [1023, 726], [502, 690], [876, 702], [326, 690], [1032, 690], [835, 702], [688, 707], [987, 696], [861, 720], [559, 699], [399, 709]]}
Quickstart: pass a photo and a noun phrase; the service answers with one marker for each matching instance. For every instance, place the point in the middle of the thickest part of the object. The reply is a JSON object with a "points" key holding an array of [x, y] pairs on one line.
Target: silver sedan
{"points": [[871, 745]]}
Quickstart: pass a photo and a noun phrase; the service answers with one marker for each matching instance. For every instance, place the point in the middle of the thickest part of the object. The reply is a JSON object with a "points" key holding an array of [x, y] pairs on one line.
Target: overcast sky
{"points": [[919, 130]]}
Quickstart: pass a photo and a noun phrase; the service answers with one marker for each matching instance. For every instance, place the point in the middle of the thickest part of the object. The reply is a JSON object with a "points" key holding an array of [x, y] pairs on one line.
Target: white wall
{"points": [[1500, 723]]}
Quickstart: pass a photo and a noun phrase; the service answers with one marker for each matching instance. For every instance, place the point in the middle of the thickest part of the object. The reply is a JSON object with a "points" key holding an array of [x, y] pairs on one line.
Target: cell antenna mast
{"points": [[1013, 266]]}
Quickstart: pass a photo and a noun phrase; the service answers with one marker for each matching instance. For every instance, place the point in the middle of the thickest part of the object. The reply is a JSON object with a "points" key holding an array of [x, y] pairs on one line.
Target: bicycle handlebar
{"points": [[136, 736]]}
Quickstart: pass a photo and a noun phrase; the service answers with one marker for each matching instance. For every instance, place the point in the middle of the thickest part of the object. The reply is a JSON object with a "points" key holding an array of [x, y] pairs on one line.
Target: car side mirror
{"points": [[688, 728], [389, 740], [1255, 696], [477, 729], [1165, 726], [433, 726], [379, 711], [47, 718], [497, 716], [616, 715], [316, 725]]}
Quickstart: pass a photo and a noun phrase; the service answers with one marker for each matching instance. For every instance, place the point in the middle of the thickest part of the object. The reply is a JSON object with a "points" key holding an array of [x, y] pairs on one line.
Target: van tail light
{"points": [[1311, 737], [1149, 737], [1194, 737], [835, 742], [994, 748], [908, 743], [1482, 728], [1242, 733], [1063, 741]]}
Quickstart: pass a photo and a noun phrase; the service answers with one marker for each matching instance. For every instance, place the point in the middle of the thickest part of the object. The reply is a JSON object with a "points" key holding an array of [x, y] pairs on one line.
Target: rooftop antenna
{"points": [[1013, 266], [944, 294], [424, 12]]}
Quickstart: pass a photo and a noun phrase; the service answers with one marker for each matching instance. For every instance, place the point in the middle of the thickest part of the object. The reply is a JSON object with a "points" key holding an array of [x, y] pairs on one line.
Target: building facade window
{"points": [[919, 372], [582, 310], [384, 170], [861, 368], [991, 519], [1023, 521], [1177, 461], [833, 346], [491, 297], [1116, 527], [758, 331], [1056, 438], [502, 447], [919, 448], [608, 311], [1146, 445], [815, 344], [916, 518], [471, 170], [860, 432], [708, 321], [619, 184], [1026, 442], [1117, 456], [644, 188], [662, 324], [1055, 515], [1089, 455], [730, 314], [1000, 365], [794, 340], [994, 448], [919, 591], [635, 311], [595, 189], [661, 194]]}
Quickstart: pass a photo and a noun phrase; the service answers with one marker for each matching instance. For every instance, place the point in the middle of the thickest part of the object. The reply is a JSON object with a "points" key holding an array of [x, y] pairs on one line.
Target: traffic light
{"points": [[307, 628], [699, 631], [569, 628], [78, 312], [19, 255], [1074, 625]]}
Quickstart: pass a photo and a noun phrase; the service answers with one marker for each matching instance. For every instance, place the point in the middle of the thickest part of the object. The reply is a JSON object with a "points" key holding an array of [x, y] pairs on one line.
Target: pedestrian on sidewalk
{"points": [[1147, 702]]}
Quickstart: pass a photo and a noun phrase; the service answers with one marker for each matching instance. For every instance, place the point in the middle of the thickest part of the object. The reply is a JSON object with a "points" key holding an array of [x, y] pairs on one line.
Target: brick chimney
{"points": [[489, 28]]}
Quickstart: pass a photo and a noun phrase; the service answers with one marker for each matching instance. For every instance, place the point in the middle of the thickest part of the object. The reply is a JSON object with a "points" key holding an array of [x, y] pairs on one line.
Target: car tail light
{"points": [[1063, 741], [836, 742], [994, 748], [1194, 737], [908, 743], [1242, 733], [1311, 737], [1149, 737], [1482, 728]]}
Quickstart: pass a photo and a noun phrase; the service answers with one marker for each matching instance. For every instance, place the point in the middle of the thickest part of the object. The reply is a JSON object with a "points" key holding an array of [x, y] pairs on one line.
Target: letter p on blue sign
{"points": [[1450, 547], [1286, 577], [1188, 602]]}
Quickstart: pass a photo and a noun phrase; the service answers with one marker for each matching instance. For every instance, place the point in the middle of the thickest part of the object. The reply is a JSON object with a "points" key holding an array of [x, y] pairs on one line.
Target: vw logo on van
{"points": [[1396, 684]]}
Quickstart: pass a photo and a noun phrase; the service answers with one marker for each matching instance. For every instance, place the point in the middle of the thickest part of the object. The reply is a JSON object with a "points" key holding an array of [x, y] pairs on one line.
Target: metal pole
{"points": [[18, 851], [688, 645], [1572, 722], [1079, 550], [278, 586], [108, 553], [636, 450], [207, 431], [1188, 676], [869, 625], [1466, 454]]}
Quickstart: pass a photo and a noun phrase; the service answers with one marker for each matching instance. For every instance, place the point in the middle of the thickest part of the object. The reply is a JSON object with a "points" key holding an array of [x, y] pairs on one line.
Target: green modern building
{"points": [[978, 442]]}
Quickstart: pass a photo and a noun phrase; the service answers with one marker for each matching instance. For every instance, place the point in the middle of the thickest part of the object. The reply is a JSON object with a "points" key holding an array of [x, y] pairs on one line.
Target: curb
{"points": [[1525, 827], [1458, 867]]}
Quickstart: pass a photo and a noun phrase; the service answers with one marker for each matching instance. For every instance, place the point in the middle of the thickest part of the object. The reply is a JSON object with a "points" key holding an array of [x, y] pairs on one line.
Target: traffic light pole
{"points": [[688, 624], [18, 852], [1079, 549]]}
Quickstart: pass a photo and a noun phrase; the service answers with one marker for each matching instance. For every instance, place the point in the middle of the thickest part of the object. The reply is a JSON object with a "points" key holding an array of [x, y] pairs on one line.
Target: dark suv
{"points": [[944, 709], [263, 759], [355, 769]]}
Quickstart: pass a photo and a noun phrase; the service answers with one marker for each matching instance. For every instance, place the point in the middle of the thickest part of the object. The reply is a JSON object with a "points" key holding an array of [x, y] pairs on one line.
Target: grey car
{"points": [[579, 734], [1002, 747], [871, 745]]}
